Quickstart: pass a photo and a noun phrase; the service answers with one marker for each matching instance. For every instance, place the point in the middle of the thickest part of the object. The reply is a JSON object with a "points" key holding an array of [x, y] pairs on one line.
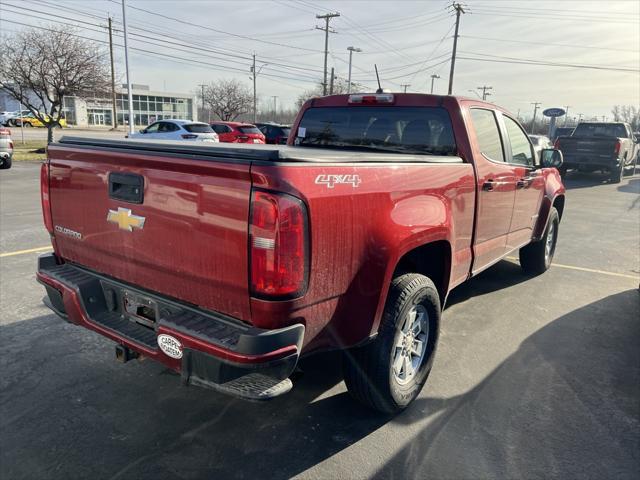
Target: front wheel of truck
{"points": [[389, 373], [536, 257]]}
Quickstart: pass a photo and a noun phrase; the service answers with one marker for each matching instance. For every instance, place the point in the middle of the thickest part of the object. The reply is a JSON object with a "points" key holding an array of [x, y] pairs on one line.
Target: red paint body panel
{"points": [[194, 247], [237, 136], [194, 243]]}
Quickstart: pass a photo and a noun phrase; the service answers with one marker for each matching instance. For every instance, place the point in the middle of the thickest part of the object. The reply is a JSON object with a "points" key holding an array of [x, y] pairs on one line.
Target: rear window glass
{"points": [[487, 133], [418, 130], [284, 132], [197, 128], [600, 130], [249, 129]]}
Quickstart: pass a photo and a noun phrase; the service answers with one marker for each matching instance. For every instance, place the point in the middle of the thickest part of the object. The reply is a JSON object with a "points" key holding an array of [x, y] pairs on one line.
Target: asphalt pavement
{"points": [[534, 377]]}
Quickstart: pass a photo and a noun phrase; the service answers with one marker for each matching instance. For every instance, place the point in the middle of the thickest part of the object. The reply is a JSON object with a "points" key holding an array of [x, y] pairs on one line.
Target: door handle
{"points": [[488, 186]]}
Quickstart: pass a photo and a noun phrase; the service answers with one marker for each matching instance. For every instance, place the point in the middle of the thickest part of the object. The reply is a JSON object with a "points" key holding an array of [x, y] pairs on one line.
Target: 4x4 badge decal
{"points": [[331, 180]]}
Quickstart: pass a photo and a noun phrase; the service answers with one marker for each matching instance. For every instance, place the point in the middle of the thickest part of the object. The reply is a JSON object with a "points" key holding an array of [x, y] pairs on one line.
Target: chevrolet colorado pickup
{"points": [[227, 263], [610, 147]]}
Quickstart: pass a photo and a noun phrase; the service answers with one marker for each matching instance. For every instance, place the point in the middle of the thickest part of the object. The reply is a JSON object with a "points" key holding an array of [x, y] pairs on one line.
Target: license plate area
{"points": [[140, 309]]}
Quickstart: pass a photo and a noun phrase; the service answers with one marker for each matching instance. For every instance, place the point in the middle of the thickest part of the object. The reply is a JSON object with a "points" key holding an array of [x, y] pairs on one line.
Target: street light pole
{"points": [[351, 50], [535, 111], [433, 77], [126, 61]]}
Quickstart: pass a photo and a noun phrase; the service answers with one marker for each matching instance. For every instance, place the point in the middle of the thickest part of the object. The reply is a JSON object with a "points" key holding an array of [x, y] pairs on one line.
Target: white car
{"points": [[6, 148], [540, 142], [6, 118], [177, 130]]}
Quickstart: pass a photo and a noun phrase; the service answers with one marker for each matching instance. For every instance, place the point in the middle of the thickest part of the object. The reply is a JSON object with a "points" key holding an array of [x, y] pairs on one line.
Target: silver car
{"points": [[6, 148], [177, 130]]}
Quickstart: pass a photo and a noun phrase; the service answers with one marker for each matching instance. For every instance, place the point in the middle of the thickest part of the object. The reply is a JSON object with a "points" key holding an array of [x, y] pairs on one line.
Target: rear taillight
{"points": [[11, 145], [617, 148], [556, 144], [44, 195], [189, 136], [278, 245], [373, 99]]}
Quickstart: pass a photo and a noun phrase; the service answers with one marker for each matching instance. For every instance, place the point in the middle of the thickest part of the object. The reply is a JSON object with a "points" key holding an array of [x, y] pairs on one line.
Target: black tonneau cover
{"points": [[264, 153]]}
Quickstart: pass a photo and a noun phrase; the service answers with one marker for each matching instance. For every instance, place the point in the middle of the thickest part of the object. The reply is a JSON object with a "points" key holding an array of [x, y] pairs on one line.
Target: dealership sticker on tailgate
{"points": [[170, 345]]}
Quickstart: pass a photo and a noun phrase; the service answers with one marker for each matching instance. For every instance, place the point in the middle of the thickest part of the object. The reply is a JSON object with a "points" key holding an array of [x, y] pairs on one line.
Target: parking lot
{"points": [[534, 377]]}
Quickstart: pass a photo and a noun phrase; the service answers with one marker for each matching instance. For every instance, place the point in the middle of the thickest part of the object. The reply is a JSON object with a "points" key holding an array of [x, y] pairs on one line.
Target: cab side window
{"points": [[488, 134], [521, 151], [153, 128]]}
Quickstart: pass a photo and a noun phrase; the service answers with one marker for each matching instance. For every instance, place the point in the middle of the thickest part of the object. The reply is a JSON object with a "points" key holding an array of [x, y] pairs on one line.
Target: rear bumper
{"points": [[215, 349], [591, 161]]}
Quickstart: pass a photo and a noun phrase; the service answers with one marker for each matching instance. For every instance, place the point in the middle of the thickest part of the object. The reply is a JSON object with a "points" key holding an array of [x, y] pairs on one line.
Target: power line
{"points": [[245, 37], [561, 64], [167, 56], [545, 44], [548, 64], [500, 13]]}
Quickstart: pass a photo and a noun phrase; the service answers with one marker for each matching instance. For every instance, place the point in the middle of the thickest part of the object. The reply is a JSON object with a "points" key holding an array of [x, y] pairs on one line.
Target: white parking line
{"points": [[590, 270], [22, 252]]}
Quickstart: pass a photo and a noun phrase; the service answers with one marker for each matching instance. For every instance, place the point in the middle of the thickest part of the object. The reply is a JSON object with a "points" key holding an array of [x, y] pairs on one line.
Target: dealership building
{"points": [[148, 106]]}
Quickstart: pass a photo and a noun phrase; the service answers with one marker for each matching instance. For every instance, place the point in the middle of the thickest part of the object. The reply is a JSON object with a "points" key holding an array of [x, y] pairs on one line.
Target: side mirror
{"points": [[550, 157]]}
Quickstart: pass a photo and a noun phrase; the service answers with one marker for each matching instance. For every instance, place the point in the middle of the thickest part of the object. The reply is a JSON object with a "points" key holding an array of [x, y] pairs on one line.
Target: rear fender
{"points": [[554, 192]]}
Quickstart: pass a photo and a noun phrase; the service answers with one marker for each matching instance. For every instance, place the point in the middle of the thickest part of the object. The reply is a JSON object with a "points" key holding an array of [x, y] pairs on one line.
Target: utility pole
{"points": [[405, 86], [254, 74], [114, 121], [202, 85], [126, 61], [535, 111], [333, 76], [326, 30], [485, 91], [458, 8], [566, 114], [433, 77], [275, 105], [351, 50]]}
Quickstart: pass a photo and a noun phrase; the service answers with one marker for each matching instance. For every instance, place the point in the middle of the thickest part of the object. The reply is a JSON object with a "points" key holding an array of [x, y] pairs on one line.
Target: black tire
{"points": [[6, 164], [632, 168], [27, 125], [368, 370], [616, 175], [563, 171], [534, 258]]}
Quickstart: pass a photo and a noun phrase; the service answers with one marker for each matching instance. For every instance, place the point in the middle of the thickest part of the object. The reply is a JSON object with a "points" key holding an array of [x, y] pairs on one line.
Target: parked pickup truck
{"points": [[227, 263], [609, 147]]}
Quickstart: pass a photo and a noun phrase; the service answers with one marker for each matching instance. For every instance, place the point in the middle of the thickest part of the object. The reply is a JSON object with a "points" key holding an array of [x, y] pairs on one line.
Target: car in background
{"points": [[540, 142], [7, 119], [562, 132], [237, 132], [30, 120], [177, 130], [609, 147], [275, 133], [6, 148]]}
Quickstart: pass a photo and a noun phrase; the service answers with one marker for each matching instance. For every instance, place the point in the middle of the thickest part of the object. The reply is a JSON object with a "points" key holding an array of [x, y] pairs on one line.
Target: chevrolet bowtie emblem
{"points": [[125, 220]]}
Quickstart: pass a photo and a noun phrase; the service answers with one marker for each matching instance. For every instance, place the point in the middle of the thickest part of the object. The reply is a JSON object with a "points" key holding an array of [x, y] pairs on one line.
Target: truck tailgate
{"points": [[187, 239], [588, 146]]}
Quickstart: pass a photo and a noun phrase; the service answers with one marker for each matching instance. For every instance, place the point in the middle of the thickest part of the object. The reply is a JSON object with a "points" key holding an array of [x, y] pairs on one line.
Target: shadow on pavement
{"points": [[566, 404], [632, 187], [575, 179], [503, 274]]}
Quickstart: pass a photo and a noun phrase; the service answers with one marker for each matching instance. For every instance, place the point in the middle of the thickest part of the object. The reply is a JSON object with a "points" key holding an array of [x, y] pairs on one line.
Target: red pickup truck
{"points": [[227, 263]]}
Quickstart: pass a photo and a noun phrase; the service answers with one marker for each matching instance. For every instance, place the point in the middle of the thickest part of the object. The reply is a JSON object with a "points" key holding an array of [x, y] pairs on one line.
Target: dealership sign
{"points": [[554, 112]]}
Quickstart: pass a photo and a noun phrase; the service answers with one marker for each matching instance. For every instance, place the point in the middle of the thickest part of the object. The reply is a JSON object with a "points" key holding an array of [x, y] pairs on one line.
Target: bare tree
{"points": [[39, 69], [627, 113], [228, 99], [339, 87]]}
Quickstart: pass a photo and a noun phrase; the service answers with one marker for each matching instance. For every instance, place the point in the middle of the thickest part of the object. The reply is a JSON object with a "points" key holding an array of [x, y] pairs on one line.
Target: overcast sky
{"points": [[408, 40]]}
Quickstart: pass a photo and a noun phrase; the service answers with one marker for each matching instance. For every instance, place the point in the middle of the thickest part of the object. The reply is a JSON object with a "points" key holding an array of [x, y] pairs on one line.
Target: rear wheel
{"points": [[27, 125], [6, 164], [617, 174], [536, 257], [389, 373], [632, 168]]}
